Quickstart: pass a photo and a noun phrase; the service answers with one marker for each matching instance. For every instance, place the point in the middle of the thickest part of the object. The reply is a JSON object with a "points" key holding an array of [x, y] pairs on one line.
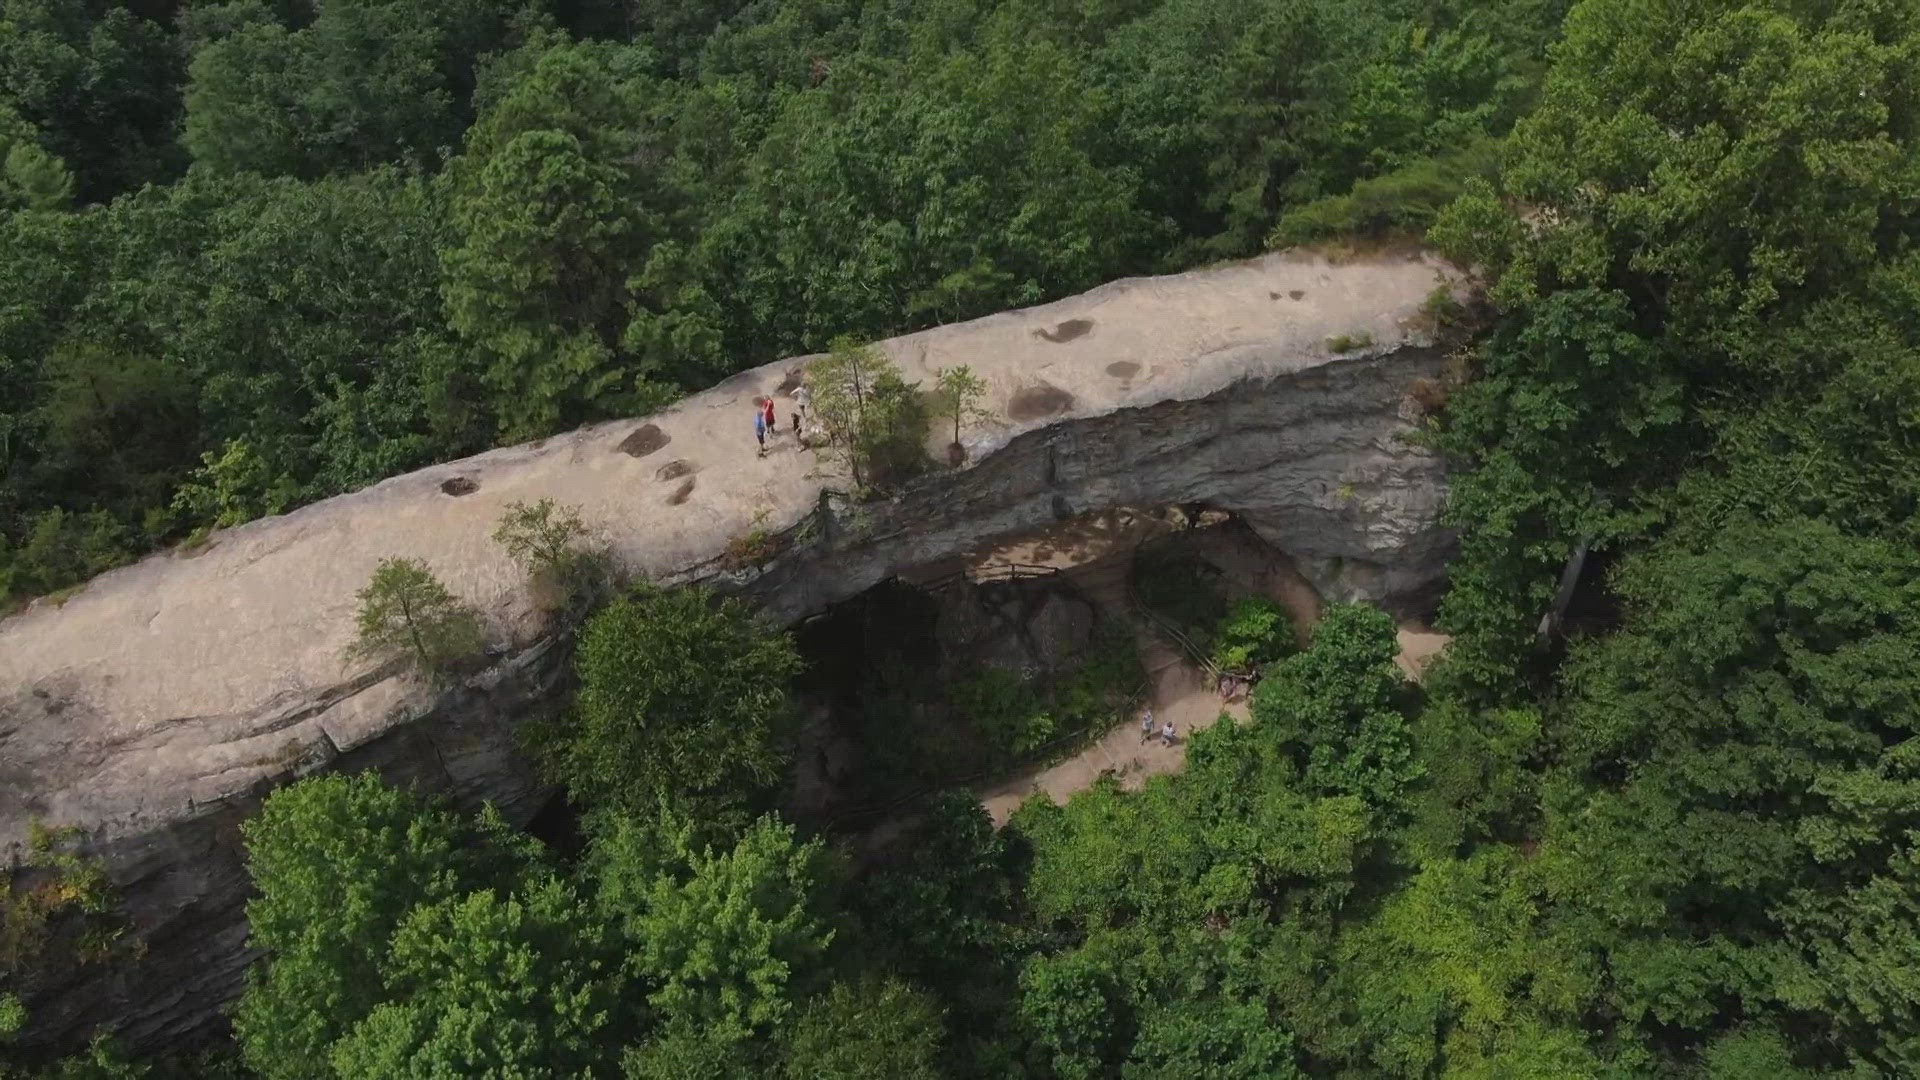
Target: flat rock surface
{"points": [[191, 674]]}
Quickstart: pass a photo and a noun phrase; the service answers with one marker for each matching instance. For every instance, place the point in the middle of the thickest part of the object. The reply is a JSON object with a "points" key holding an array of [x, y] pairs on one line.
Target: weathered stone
{"points": [[1059, 629], [155, 707]]}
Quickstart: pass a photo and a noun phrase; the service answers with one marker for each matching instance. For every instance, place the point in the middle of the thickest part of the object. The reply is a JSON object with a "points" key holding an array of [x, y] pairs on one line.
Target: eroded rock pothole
{"points": [[1066, 331], [645, 440], [1034, 402]]}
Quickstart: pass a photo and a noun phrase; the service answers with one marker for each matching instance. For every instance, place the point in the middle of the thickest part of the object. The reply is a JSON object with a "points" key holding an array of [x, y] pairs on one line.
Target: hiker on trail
{"points": [[760, 430], [1166, 733], [802, 397], [773, 428], [1146, 726]]}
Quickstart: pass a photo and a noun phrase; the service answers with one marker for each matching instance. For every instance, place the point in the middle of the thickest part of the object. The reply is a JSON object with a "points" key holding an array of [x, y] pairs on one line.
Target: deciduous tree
{"points": [[340, 863], [405, 612], [729, 936], [683, 697]]}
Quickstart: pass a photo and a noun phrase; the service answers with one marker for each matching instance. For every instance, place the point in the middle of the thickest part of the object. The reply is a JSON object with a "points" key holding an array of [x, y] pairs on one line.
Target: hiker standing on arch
{"points": [[760, 430], [1146, 726], [802, 397], [773, 428]]}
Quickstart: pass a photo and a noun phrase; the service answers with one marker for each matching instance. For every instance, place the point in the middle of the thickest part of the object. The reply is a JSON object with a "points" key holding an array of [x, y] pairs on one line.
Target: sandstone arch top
{"points": [[186, 677]]}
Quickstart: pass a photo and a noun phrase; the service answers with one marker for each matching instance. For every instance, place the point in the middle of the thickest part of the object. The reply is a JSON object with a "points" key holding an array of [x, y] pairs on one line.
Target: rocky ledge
{"points": [[155, 708]]}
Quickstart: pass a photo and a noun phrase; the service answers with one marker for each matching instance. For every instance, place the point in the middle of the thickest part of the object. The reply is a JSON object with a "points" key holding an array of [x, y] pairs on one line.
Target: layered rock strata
{"points": [[156, 707]]}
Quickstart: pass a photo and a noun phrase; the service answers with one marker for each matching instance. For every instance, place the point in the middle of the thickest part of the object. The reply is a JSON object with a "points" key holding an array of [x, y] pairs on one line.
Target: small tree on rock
{"points": [[406, 612], [958, 392], [548, 541], [873, 417]]}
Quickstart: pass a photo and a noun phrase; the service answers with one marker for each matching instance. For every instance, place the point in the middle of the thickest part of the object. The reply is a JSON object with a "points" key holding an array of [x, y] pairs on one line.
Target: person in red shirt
{"points": [[772, 428]]}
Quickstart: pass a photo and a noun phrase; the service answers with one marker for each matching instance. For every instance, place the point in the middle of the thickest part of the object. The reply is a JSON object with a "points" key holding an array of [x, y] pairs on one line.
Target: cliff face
{"points": [[1317, 462], [156, 708]]}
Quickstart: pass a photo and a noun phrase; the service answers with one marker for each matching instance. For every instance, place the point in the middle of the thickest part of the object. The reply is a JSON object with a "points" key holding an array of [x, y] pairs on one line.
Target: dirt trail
{"points": [[1097, 554], [1178, 690]]}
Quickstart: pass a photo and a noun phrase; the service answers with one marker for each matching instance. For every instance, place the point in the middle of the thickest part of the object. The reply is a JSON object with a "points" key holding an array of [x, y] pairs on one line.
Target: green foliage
{"points": [[1007, 709], [958, 392], [1479, 772], [54, 887], [233, 487], [1070, 1004], [1478, 231], [1020, 718], [541, 535], [682, 698], [552, 216], [1346, 343], [1460, 975], [1553, 436], [30, 177], [362, 83], [1403, 203], [624, 217], [1255, 632], [727, 937], [1682, 845], [286, 330], [1215, 1040], [340, 864], [688, 1052], [491, 985], [121, 421], [942, 911], [921, 734], [549, 543], [1755, 693], [875, 422], [882, 1030], [1749, 156], [61, 550], [102, 85], [1334, 709], [407, 614]]}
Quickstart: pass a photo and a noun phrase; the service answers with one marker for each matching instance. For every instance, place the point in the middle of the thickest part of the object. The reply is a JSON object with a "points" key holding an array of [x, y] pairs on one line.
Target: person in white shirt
{"points": [[802, 398]]}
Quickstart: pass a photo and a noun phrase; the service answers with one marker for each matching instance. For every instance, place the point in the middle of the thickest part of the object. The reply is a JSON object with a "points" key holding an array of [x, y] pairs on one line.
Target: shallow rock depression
{"points": [[157, 707]]}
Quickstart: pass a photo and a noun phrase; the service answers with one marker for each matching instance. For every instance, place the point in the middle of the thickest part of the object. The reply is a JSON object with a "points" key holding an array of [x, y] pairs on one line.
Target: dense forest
{"points": [[260, 254], [253, 254]]}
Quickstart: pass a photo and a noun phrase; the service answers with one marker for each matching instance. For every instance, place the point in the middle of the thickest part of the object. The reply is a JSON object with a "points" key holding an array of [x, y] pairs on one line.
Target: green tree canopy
{"points": [[1718, 161], [554, 214], [869, 1031], [683, 699], [339, 864], [358, 83], [494, 985], [1335, 710], [406, 613], [727, 937]]}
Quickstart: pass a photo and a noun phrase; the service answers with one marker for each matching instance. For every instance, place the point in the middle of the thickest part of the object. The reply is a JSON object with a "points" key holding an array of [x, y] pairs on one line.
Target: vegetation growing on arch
{"points": [[551, 544], [406, 614], [876, 422], [958, 393]]}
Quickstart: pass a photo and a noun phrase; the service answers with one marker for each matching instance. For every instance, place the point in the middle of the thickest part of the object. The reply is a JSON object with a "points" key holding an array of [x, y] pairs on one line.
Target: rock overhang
{"points": [[184, 678]]}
